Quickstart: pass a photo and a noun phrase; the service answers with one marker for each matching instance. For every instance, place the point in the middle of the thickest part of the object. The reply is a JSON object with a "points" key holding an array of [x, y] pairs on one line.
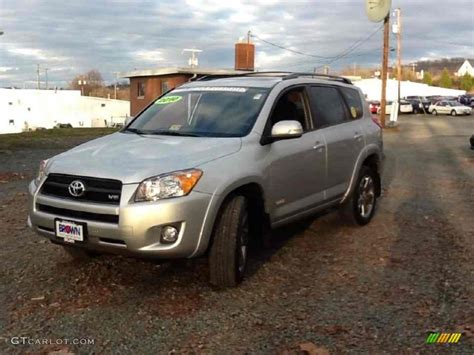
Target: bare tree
{"points": [[88, 82]]}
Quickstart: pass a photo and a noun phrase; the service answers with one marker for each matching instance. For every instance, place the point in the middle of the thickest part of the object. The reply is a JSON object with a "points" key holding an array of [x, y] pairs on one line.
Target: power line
{"points": [[324, 59], [367, 53], [352, 48], [289, 49]]}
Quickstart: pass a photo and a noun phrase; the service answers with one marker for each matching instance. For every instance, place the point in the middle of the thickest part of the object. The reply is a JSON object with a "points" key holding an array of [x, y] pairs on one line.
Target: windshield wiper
{"points": [[175, 133], [134, 130]]}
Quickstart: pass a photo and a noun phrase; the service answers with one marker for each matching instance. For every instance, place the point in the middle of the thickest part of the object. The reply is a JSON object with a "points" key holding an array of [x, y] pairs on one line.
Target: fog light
{"points": [[169, 234]]}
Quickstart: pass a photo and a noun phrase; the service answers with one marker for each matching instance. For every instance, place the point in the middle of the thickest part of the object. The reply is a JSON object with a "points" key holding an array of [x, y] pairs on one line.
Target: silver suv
{"points": [[209, 166]]}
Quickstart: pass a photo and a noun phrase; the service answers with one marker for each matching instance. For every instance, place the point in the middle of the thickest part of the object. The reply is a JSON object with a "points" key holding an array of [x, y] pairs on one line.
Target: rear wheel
{"points": [[360, 208], [453, 113], [228, 253]]}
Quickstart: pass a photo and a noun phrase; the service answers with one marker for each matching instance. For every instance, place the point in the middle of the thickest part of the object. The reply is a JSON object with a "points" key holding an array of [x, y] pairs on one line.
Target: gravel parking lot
{"points": [[321, 285]]}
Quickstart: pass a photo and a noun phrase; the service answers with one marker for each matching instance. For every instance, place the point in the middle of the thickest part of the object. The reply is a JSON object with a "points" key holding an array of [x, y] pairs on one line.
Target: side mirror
{"points": [[287, 130]]}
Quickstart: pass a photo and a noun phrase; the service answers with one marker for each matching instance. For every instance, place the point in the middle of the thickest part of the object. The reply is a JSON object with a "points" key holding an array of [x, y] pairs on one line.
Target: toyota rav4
{"points": [[211, 165]]}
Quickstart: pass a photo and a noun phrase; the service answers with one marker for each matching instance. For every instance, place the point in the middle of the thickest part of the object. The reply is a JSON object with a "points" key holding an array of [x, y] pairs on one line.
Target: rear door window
{"points": [[327, 106]]}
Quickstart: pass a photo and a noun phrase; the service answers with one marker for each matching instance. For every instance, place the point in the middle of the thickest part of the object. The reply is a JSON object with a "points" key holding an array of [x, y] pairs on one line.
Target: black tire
{"points": [[434, 112], [351, 211], [228, 253], [453, 113], [79, 253]]}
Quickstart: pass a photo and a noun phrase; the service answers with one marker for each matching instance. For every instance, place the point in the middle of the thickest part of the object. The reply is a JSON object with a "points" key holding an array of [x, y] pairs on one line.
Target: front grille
{"points": [[96, 190], [89, 216]]}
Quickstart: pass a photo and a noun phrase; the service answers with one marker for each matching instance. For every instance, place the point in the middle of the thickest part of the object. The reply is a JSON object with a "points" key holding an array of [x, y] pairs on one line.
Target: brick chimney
{"points": [[244, 56]]}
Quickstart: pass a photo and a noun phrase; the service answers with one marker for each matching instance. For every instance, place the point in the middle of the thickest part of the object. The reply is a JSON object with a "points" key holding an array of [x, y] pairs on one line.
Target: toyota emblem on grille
{"points": [[77, 188]]}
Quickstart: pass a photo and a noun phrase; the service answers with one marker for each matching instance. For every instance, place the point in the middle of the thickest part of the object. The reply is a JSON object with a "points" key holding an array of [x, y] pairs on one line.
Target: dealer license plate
{"points": [[70, 231]]}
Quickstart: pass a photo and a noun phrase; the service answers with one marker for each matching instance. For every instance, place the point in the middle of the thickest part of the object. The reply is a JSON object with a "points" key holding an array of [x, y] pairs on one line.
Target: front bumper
{"points": [[138, 231]]}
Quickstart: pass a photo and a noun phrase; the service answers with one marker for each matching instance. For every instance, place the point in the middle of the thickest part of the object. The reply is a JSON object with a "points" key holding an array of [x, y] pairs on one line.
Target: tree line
{"points": [[92, 83]]}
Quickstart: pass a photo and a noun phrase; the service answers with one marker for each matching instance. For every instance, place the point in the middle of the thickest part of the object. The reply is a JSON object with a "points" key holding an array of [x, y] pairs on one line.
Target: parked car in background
{"points": [[405, 107], [434, 99], [452, 108], [63, 125], [420, 104], [465, 100], [374, 106]]}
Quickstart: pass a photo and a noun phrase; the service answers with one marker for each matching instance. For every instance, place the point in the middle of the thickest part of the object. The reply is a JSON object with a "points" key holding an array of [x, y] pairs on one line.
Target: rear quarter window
{"points": [[327, 106], [353, 100]]}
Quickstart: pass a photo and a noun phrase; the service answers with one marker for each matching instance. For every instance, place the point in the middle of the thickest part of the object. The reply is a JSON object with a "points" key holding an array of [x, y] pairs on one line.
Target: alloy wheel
{"points": [[366, 200]]}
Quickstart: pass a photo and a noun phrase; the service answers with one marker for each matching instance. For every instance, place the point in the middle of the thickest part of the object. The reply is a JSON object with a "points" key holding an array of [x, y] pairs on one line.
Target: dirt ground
{"points": [[322, 286]]}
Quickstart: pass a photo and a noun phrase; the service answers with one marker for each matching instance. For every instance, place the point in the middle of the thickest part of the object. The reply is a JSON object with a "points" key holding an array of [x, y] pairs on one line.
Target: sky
{"points": [[72, 37]]}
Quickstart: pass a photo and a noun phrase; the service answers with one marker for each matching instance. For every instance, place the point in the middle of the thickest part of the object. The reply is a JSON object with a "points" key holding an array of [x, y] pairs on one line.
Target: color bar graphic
{"points": [[442, 338]]}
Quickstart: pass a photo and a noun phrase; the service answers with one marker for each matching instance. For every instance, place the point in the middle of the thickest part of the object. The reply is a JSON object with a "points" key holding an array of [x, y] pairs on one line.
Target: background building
{"points": [[147, 85], [466, 68], [22, 110]]}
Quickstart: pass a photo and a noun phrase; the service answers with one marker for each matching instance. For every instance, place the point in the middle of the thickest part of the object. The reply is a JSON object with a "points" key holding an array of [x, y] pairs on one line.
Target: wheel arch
{"points": [[372, 157], [254, 193]]}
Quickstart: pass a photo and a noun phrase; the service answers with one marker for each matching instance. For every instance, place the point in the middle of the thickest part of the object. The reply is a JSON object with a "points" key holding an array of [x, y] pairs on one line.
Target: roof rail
{"points": [[285, 75], [250, 73], [318, 75]]}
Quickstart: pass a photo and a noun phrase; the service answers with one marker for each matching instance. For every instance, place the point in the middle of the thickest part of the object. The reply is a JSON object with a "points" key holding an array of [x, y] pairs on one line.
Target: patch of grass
{"points": [[53, 138]]}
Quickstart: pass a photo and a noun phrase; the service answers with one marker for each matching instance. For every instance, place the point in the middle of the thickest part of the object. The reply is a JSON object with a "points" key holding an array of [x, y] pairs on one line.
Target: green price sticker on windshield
{"points": [[168, 100]]}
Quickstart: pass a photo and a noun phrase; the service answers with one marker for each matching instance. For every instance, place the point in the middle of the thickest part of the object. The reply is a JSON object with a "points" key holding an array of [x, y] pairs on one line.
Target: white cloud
{"points": [[7, 69], [35, 53], [150, 56], [265, 60]]}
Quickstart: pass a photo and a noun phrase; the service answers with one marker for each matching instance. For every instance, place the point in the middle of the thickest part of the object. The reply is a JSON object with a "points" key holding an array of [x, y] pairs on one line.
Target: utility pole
{"points": [[38, 76], [398, 27], [248, 49], [383, 101], [46, 76], [81, 84], [115, 85]]}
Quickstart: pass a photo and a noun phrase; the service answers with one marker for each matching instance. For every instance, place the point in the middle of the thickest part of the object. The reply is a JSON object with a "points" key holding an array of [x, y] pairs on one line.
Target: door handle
{"points": [[357, 136], [318, 146]]}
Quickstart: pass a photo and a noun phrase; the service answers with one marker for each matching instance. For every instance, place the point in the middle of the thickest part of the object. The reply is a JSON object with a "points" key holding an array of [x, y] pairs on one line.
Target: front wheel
{"points": [[360, 208], [434, 112], [453, 113], [228, 253]]}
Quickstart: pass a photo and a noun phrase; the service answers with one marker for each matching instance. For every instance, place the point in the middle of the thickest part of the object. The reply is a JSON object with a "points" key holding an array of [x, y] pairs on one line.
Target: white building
{"points": [[22, 110], [465, 68], [372, 88]]}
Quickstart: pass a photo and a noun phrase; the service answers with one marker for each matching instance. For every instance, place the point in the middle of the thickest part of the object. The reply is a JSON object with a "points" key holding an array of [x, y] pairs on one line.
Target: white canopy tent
{"points": [[372, 88]]}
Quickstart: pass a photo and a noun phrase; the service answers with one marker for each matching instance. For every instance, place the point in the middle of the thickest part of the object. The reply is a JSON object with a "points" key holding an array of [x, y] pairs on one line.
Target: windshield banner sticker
{"points": [[168, 100], [213, 88]]}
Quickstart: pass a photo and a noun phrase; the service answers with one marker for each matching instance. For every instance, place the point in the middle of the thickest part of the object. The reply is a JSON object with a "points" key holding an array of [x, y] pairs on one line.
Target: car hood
{"points": [[131, 158]]}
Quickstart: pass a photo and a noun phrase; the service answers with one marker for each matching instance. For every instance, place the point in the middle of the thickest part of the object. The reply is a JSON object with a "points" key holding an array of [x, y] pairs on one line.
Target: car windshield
{"points": [[203, 112]]}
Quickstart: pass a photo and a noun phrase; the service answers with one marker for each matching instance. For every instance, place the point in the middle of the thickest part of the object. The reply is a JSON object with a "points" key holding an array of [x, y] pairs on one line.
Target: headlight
{"points": [[41, 171], [178, 183]]}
